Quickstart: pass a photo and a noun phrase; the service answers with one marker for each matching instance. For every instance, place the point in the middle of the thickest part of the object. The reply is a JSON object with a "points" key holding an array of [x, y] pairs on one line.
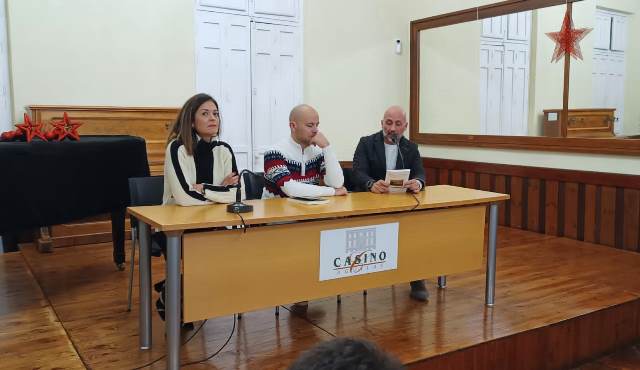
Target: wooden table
{"points": [[274, 258]]}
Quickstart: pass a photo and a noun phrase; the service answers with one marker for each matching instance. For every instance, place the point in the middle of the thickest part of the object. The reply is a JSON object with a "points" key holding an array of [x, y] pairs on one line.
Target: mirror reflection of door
{"points": [[609, 63], [505, 45]]}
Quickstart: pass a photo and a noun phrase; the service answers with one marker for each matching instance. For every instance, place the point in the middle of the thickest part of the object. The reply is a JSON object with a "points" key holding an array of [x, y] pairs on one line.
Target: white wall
{"points": [[6, 116], [140, 53], [351, 73], [445, 53], [96, 52]]}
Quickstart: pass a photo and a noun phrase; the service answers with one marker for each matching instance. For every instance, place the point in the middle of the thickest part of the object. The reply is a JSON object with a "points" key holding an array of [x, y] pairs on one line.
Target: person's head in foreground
{"points": [[346, 354]]}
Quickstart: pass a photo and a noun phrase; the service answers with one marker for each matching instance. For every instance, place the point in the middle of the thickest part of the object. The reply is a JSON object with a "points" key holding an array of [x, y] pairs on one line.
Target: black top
{"points": [[49, 183], [369, 161]]}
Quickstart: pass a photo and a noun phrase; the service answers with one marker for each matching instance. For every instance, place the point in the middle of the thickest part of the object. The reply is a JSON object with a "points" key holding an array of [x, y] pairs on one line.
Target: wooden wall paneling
{"points": [[631, 223], [470, 180], [525, 202], [533, 205], [607, 216], [443, 176], [581, 192], [590, 213], [571, 210], [561, 205], [595, 178], [516, 202], [456, 178], [431, 174], [500, 186], [551, 201], [551, 208], [619, 218], [484, 182]]}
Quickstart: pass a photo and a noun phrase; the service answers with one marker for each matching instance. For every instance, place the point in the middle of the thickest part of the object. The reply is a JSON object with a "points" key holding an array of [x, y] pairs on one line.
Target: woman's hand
{"points": [[231, 179], [198, 187]]}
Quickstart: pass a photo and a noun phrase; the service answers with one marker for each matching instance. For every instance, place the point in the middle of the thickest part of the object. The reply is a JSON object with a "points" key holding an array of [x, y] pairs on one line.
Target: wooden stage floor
{"points": [[559, 302]]}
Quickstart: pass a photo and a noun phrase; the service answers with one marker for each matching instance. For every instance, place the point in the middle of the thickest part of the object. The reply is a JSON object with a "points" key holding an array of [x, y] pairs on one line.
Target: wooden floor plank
{"points": [[30, 334], [542, 280]]}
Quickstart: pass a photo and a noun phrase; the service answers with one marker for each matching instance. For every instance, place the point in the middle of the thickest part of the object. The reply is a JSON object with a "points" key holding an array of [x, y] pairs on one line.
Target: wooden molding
{"points": [[536, 143], [580, 145]]}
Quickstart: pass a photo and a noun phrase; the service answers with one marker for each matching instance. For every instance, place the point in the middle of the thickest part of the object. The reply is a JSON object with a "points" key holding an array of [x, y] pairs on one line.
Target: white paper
{"points": [[396, 179]]}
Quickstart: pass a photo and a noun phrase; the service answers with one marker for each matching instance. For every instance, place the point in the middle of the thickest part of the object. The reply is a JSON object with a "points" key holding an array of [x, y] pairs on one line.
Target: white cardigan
{"points": [[180, 176]]}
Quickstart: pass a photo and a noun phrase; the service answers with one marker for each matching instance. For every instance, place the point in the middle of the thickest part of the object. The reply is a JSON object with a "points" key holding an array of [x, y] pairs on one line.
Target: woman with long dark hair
{"points": [[199, 168]]}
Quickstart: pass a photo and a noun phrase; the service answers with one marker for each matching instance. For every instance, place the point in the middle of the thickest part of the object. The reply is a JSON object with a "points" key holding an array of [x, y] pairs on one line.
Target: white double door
{"points": [[253, 70], [504, 89], [609, 64], [504, 74]]}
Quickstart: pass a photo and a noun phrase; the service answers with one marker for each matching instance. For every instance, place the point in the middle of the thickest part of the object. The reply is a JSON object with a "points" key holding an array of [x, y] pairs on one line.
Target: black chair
{"points": [[143, 191], [253, 184], [348, 179]]}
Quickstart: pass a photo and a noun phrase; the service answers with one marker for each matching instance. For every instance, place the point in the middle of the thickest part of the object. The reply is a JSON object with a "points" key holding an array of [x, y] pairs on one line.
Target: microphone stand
{"points": [[396, 140], [238, 206]]}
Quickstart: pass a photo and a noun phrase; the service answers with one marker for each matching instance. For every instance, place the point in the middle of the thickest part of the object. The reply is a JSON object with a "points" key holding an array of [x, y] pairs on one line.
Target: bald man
{"points": [[385, 150], [303, 165]]}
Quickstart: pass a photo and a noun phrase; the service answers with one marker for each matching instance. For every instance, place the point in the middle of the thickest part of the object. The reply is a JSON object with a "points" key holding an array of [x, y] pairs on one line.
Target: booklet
{"points": [[396, 179]]}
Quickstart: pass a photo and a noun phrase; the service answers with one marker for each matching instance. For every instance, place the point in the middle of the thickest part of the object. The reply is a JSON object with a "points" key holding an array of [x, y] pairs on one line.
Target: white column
{"points": [[6, 116]]}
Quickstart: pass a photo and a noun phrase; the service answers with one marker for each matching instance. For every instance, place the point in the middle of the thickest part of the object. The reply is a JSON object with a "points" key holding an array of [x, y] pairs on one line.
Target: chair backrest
{"points": [[146, 191], [253, 184], [348, 179]]}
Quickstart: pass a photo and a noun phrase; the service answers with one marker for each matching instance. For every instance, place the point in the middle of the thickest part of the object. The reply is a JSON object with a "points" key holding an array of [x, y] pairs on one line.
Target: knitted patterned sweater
{"points": [[290, 171]]}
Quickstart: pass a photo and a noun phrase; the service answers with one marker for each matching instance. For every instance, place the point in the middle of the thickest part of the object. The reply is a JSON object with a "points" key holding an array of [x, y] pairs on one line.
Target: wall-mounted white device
{"points": [[398, 46]]}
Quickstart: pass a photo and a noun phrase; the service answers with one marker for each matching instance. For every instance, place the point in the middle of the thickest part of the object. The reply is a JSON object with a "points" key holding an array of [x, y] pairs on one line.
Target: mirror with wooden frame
{"points": [[483, 77]]}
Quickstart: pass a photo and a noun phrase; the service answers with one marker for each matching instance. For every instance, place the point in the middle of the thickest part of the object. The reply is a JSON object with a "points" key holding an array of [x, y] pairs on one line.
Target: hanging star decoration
{"points": [[66, 128], [567, 39]]}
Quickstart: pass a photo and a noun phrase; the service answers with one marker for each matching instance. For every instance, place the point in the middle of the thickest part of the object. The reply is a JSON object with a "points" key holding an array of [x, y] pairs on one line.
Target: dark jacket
{"points": [[369, 161]]}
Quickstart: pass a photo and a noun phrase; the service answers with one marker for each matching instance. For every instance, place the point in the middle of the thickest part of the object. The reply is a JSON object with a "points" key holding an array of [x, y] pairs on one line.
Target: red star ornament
{"points": [[66, 127], [30, 130], [567, 39], [25, 128]]}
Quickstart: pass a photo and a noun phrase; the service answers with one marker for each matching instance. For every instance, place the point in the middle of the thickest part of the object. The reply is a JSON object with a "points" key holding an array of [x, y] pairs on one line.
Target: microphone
{"points": [[238, 206], [396, 140]]}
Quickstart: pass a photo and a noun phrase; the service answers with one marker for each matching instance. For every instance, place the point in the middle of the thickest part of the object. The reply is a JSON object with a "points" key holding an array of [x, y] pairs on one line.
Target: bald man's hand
{"points": [[320, 140], [341, 191]]}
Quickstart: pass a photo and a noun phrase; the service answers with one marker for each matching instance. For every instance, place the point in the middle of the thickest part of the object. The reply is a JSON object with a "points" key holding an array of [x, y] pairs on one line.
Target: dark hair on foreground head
{"points": [[182, 128], [346, 354]]}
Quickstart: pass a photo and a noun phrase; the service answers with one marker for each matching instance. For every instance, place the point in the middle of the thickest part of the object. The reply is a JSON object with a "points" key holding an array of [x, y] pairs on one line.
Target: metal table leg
{"points": [[173, 292], [145, 285], [442, 281], [490, 293]]}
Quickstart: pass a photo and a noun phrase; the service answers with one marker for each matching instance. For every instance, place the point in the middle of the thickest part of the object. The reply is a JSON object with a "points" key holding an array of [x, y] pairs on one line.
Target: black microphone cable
{"points": [[233, 330], [244, 225], [163, 356]]}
